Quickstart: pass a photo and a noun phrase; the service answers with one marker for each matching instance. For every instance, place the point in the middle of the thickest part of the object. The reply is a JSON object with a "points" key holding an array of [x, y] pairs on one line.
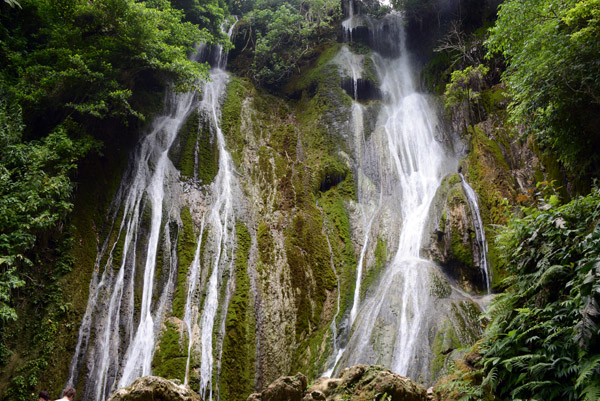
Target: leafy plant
{"points": [[284, 33], [551, 48], [544, 331], [462, 93]]}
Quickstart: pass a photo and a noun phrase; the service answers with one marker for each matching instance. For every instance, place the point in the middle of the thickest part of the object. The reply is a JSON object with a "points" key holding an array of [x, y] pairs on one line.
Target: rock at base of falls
{"points": [[356, 383], [153, 388], [287, 388]]}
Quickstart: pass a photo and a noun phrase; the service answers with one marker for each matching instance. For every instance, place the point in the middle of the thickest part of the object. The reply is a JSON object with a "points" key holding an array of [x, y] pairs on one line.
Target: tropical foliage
{"points": [[283, 33], [552, 47], [545, 329]]}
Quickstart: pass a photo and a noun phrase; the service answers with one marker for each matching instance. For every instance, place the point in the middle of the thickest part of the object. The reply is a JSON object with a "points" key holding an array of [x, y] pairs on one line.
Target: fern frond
{"points": [[591, 392], [587, 371]]}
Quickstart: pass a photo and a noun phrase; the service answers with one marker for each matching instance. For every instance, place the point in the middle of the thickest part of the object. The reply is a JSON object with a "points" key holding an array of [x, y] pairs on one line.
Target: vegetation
{"points": [[282, 34], [34, 199], [551, 48], [543, 335], [77, 74], [464, 89]]}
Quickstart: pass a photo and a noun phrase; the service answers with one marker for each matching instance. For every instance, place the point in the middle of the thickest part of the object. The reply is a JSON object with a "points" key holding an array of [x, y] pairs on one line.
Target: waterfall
{"points": [[479, 231], [221, 221], [125, 337], [126, 307], [399, 169], [191, 311]]}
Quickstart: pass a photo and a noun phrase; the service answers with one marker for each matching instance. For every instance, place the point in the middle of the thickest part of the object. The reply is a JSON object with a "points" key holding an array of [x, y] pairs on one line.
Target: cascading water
{"points": [[479, 231], [222, 229], [333, 326], [124, 315], [399, 169], [121, 350], [191, 311]]}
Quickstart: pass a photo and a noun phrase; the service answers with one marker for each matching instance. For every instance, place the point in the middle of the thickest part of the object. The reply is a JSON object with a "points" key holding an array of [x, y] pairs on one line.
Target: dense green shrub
{"points": [[544, 335], [551, 48], [283, 33]]}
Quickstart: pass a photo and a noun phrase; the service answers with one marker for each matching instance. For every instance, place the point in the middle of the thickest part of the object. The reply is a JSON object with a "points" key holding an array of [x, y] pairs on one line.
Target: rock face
{"points": [[452, 242], [357, 383], [153, 388]]}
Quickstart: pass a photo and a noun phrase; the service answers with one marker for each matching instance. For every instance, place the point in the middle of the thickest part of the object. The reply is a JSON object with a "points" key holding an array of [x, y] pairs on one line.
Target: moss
{"points": [[460, 251], [237, 91], [312, 74], [489, 175], [308, 255], [440, 287], [445, 341], [184, 147], [495, 99], [443, 221], [239, 353], [331, 172], [170, 356], [344, 255], [208, 154], [186, 248], [265, 243]]}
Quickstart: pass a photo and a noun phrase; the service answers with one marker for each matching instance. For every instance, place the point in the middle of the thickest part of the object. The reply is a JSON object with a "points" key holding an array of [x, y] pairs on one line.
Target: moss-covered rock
{"points": [[238, 362], [451, 240], [363, 382], [186, 248], [170, 356]]}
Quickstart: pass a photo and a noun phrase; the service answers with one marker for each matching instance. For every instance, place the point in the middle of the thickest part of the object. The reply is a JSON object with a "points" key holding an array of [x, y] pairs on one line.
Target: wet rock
{"points": [[357, 383], [314, 395], [363, 382], [153, 388], [287, 388], [452, 242]]}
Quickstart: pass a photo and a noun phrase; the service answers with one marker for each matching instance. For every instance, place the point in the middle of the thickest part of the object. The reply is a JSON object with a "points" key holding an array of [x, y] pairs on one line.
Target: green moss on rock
{"points": [[446, 340], [170, 356], [374, 271], [186, 248], [183, 149], [239, 353], [208, 154]]}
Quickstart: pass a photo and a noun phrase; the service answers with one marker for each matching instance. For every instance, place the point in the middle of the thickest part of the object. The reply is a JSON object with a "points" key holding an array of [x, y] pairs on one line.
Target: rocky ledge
{"points": [[153, 388], [357, 383]]}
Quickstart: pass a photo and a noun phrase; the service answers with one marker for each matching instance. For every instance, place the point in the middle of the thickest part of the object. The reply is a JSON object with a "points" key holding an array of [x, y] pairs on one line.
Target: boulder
{"points": [[287, 388], [153, 388], [357, 383], [363, 382]]}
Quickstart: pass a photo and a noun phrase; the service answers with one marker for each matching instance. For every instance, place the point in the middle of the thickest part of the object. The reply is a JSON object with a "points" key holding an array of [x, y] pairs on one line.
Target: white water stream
{"points": [[124, 330], [221, 222], [479, 231]]}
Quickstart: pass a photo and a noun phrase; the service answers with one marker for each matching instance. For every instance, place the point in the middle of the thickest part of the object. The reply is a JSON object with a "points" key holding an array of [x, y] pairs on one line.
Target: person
{"points": [[68, 394], [44, 396]]}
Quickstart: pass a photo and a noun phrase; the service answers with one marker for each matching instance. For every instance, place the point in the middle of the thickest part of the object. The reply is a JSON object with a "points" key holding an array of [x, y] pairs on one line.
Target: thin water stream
{"points": [[479, 231]]}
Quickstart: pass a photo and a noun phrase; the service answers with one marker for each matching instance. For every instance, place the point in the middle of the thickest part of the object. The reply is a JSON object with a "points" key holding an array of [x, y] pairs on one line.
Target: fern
{"points": [[540, 341], [590, 368], [591, 392]]}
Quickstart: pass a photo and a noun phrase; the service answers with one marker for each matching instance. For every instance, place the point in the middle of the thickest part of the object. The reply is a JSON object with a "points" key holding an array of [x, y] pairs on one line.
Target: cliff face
{"points": [[274, 248]]}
